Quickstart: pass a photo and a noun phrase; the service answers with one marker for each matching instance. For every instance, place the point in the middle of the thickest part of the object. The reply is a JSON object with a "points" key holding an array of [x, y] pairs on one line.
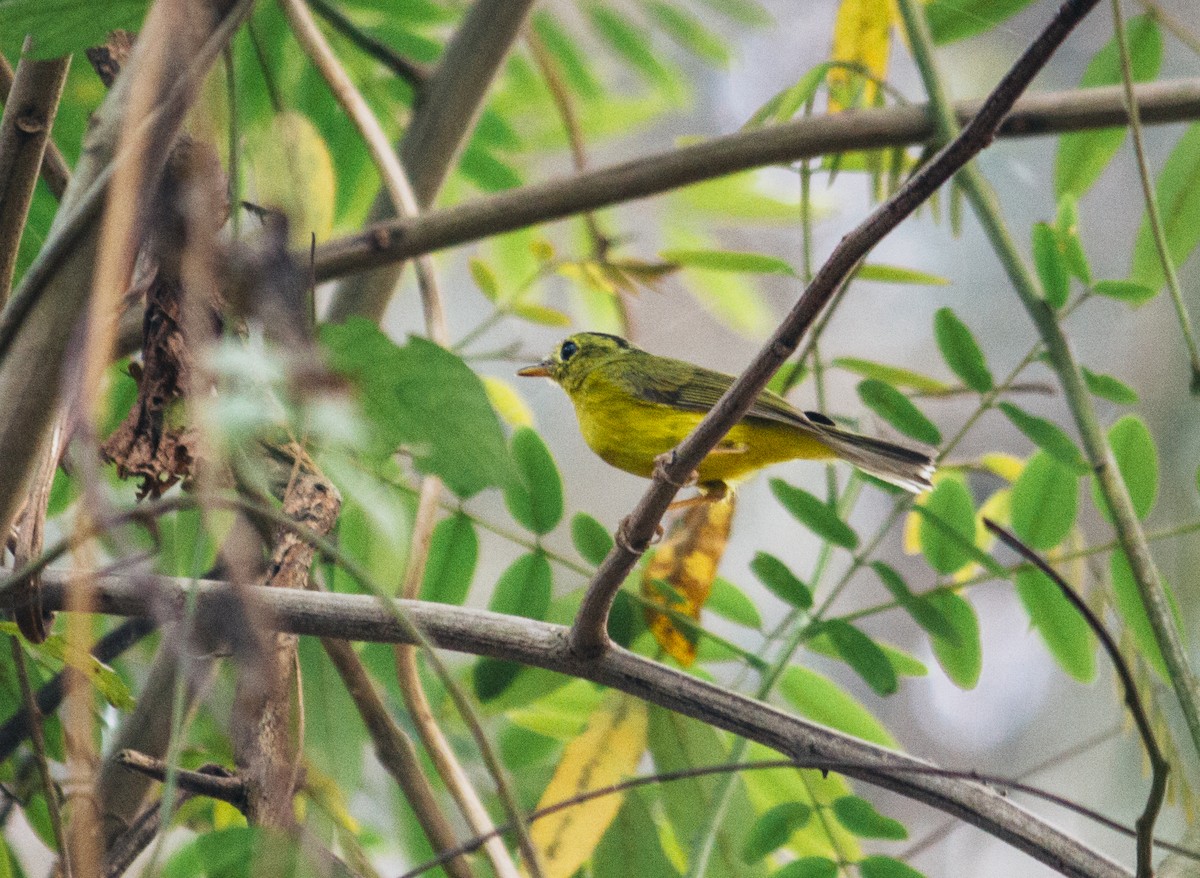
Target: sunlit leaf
{"points": [[897, 274], [606, 753], [507, 402], [1045, 500], [1083, 155], [1051, 264], [817, 516], [687, 30], [897, 376], [728, 260], [1137, 461], [1046, 435], [861, 36], [1125, 291], [291, 171], [821, 700], [730, 602], [1066, 633], [951, 505], [1110, 388], [961, 351]]}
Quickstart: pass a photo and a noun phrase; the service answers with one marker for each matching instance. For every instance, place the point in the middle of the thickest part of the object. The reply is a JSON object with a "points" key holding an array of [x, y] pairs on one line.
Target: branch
{"points": [[1159, 767], [54, 168], [412, 72], [589, 634], [213, 781], [444, 117], [361, 617], [29, 110], [809, 137]]}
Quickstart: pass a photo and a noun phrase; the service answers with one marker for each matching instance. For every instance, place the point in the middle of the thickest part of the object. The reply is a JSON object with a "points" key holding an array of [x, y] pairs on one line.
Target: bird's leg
{"points": [[710, 492]]}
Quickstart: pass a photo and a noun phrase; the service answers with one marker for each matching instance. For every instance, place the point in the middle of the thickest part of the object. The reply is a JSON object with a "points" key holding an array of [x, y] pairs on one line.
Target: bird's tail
{"points": [[908, 468]]}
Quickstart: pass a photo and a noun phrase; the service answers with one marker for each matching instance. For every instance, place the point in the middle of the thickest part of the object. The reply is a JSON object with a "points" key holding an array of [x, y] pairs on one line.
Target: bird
{"points": [[634, 406]]}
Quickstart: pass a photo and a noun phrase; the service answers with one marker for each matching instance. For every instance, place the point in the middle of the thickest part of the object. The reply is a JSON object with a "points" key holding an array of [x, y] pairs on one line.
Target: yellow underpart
{"points": [[629, 433]]}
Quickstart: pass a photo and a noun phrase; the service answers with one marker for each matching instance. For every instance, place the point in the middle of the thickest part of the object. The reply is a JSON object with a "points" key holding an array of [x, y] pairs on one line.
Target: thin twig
{"points": [[414, 73], [1053, 113], [767, 765], [1151, 199], [130, 843], [1182, 32], [38, 738], [1159, 767], [363, 617], [589, 634]]}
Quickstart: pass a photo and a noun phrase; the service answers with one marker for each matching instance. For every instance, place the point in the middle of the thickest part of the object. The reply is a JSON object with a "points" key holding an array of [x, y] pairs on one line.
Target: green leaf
{"points": [[781, 582], [962, 658], [861, 818], [631, 43], [953, 513], [960, 351], [808, 867], [1137, 460], [535, 497], [1125, 291], [923, 611], [748, 12], [453, 552], [1063, 628], [898, 410], [1178, 191], [426, 399], [107, 681], [1051, 265], [480, 165], [592, 540], [787, 103], [951, 20], [1083, 155], [1045, 500], [686, 30], [571, 59], [886, 867], [1066, 223], [485, 279], [773, 828], [818, 517], [1133, 612], [632, 846], [61, 27], [543, 315], [728, 260], [819, 699], [863, 654], [898, 274], [894, 375], [1108, 387], [524, 588], [1046, 435], [730, 602]]}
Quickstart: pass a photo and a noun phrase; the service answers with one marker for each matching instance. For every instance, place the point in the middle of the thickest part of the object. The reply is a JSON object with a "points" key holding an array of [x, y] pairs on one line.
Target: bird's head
{"points": [[575, 356]]}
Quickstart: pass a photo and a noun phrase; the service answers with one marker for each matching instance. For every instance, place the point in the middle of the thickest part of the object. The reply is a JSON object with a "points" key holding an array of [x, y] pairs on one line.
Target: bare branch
{"points": [[360, 617], [213, 781], [412, 72], [54, 168], [810, 137]]}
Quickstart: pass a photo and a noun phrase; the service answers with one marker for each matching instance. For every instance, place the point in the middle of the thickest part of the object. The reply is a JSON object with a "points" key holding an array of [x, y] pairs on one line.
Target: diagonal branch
{"points": [[363, 617], [589, 634], [809, 137]]}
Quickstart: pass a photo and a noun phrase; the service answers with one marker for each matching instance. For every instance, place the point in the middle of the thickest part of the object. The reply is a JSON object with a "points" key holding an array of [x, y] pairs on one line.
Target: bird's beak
{"points": [[537, 370]]}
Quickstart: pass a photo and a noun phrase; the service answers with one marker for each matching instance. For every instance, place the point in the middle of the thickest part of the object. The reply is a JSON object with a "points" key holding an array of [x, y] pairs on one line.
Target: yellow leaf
{"points": [[1006, 466], [291, 171], [997, 507], [606, 753], [681, 571], [507, 402], [861, 36]]}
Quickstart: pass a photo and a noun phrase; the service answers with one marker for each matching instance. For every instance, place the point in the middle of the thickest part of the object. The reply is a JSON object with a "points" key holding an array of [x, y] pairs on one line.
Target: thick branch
{"points": [[810, 137], [29, 111], [360, 617], [54, 168]]}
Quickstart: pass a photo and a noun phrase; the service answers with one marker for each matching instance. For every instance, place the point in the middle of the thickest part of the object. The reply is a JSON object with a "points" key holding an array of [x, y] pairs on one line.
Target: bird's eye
{"points": [[568, 350]]}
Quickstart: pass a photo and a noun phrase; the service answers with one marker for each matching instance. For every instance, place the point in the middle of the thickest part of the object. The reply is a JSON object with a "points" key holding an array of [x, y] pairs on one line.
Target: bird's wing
{"points": [[676, 383]]}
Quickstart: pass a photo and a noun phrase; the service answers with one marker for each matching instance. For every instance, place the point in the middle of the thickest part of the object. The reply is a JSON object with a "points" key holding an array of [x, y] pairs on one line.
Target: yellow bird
{"points": [[633, 406]]}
